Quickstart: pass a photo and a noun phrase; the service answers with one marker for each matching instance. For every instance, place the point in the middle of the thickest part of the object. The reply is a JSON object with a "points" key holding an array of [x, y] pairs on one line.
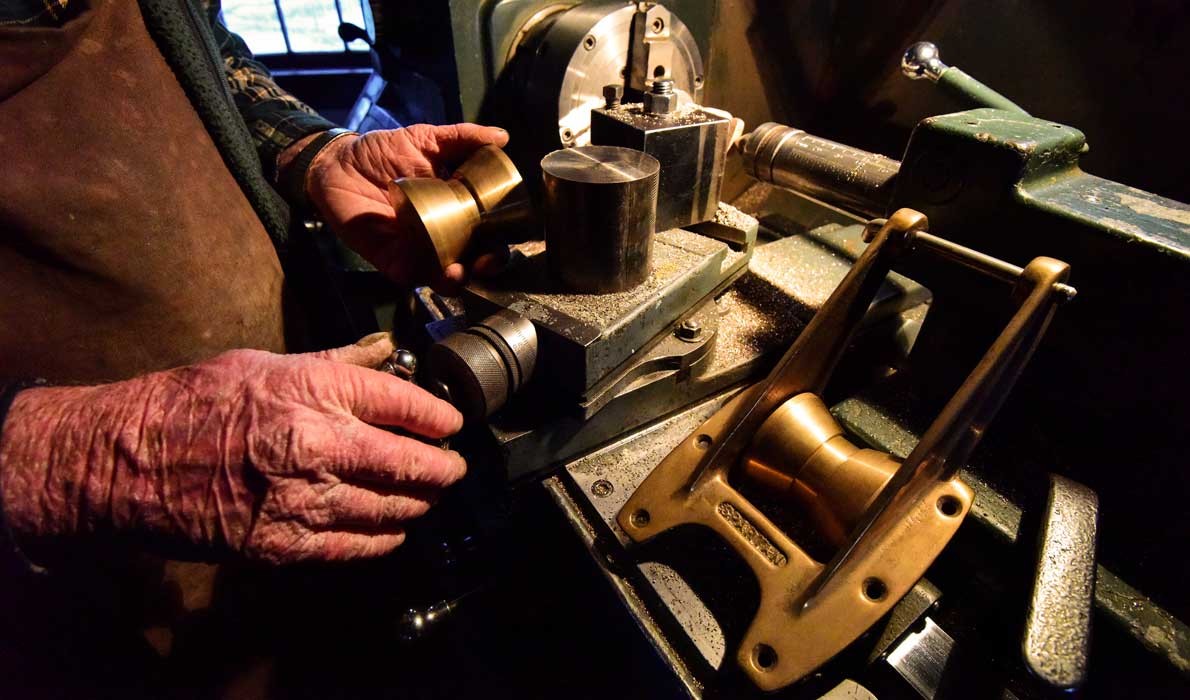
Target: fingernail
{"points": [[372, 339]]}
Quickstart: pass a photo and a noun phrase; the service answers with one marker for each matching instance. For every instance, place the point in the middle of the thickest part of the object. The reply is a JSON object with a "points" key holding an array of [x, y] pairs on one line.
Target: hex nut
{"points": [[660, 104]]}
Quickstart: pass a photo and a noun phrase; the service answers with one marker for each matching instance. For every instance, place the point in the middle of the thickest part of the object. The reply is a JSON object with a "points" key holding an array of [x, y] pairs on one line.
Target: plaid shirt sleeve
{"points": [[275, 118]]}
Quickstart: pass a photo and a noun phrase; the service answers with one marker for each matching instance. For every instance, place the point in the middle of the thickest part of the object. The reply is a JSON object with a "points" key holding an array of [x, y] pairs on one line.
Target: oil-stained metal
{"points": [[1057, 638], [830, 172], [902, 530]]}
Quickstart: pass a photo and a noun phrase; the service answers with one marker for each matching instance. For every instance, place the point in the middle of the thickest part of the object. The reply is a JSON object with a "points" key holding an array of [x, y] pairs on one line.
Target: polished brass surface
{"points": [[889, 519], [800, 450], [447, 213]]}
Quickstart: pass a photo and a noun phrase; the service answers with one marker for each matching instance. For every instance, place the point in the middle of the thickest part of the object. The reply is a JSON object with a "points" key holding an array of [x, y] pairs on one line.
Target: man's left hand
{"points": [[348, 184]]}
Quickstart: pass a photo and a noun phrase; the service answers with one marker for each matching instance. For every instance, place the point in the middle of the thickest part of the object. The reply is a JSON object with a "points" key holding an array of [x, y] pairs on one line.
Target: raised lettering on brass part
{"points": [[753, 536]]}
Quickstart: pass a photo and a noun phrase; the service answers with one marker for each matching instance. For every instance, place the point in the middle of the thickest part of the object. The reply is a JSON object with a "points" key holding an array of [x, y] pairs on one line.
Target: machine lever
{"points": [[922, 61]]}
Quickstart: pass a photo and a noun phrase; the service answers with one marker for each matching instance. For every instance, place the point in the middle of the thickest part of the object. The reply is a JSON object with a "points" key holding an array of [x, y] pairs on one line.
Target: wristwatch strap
{"points": [[293, 180]]}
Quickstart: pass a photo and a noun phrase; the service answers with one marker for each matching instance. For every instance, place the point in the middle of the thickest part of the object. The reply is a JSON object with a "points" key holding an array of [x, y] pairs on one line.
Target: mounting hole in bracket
{"points": [[703, 441], [640, 518], [949, 506], [874, 589], [659, 72], [764, 657]]}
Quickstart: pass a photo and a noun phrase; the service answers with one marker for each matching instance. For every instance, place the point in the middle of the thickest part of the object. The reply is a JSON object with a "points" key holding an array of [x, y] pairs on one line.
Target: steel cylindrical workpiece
{"points": [[841, 175], [600, 213]]}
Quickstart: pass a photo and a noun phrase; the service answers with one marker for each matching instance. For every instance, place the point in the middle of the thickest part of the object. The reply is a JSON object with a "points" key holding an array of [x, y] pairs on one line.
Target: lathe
{"points": [[826, 423]]}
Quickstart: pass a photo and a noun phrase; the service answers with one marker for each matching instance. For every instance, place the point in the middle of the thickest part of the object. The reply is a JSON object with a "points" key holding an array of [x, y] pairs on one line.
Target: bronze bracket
{"points": [[809, 611]]}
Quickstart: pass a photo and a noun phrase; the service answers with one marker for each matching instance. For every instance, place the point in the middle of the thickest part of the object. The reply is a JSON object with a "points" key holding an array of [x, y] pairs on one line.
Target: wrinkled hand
{"points": [[273, 457], [348, 184]]}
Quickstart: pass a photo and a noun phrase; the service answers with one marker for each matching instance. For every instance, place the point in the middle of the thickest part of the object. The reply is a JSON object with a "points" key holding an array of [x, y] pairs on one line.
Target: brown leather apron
{"points": [[125, 244]]}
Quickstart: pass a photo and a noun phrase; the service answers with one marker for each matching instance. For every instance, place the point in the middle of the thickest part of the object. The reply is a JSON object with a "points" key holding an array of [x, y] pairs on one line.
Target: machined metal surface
{"points": [[579, 50], [446, 213], [921, 658], [1057, 638], [830, 172], [600, 216], [690, 143]]}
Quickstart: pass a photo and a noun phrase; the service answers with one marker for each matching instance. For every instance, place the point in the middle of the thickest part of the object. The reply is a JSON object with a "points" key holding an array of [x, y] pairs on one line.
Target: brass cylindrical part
{"points": [[446, 213], [800, 451]]}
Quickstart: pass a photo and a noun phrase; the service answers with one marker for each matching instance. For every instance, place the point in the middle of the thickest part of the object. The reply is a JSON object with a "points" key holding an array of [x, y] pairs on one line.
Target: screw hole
{"points": [[589, 42], [764, 656], [874, 589], [698, 81], [702, 442], [659, 72], [949, 506], [640, 518], [567, 135], [658, 25]]}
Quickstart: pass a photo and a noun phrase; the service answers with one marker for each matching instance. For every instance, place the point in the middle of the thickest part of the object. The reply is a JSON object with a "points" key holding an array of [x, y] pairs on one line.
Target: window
{"points": [[272, 27]]}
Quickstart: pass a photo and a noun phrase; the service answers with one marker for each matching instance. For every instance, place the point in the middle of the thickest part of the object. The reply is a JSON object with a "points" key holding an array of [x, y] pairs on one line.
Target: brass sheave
{"points": [[447, 213]]}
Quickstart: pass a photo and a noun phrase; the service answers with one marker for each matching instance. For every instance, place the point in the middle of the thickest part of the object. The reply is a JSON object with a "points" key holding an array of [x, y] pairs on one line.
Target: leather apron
{"points": [[126, 246]]}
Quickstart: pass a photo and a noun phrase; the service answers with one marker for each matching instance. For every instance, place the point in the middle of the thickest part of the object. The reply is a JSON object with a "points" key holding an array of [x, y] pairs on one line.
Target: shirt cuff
{"points": [[278, 131]]}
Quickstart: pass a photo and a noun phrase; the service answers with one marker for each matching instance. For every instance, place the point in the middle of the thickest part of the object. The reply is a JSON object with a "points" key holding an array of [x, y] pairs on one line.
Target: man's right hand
{"points": [[274, 457]]}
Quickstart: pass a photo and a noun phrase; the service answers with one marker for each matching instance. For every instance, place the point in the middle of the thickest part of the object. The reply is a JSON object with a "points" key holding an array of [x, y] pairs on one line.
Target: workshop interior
{"points": [[835, 355]]}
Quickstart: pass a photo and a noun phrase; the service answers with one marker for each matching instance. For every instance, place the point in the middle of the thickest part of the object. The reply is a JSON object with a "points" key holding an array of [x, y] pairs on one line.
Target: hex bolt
{"points": [[690, 330], [661, 97], [612, 94]]}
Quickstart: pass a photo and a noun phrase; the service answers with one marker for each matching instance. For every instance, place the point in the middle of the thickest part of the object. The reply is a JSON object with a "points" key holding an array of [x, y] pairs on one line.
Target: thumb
{"points": [[369, 351]]}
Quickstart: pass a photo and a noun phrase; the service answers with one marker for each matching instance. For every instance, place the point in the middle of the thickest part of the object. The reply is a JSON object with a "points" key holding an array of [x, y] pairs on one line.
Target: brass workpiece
{"points": [[447, 213], [887, 519]]}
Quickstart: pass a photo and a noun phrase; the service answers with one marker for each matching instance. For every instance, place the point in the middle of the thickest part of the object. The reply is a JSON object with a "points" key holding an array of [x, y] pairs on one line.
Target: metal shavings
{"points": [[669, 262], [807, 271], [674, 254], [727, 215], [684, 115]]}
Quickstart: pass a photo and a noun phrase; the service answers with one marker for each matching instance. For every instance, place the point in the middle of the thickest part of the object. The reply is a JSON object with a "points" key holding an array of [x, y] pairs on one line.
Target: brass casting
{"points": [[447, 213], [889, 519]]}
